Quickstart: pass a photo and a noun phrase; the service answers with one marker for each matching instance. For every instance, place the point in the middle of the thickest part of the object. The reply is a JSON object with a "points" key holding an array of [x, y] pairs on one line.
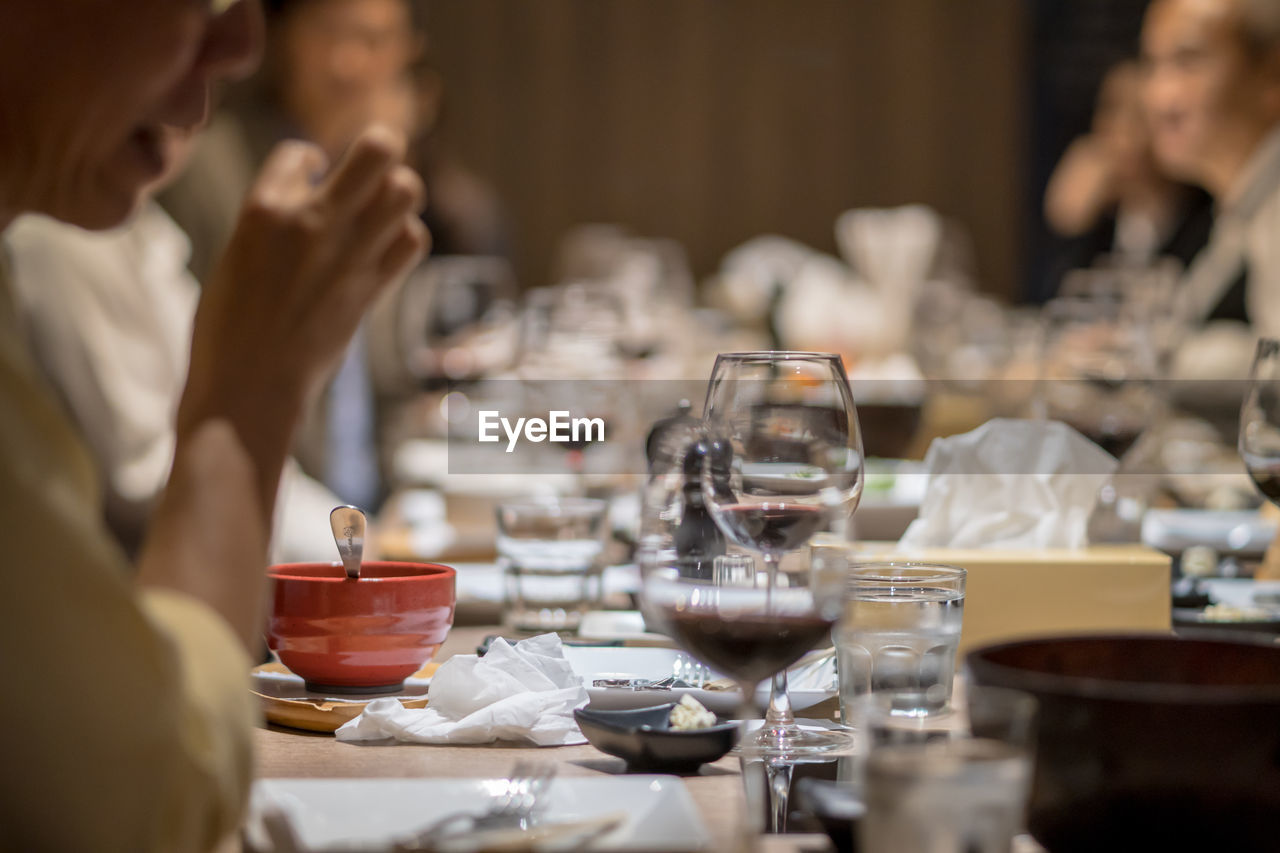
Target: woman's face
{"points": [[90, 88]]}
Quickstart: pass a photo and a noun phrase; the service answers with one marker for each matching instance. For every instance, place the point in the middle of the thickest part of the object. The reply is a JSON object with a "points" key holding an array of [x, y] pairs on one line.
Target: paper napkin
{"points": [[523, 692]]}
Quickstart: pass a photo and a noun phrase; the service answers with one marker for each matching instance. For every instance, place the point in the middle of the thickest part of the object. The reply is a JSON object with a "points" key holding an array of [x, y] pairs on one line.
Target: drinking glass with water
{"points": [[899, 631], [549, 549]]}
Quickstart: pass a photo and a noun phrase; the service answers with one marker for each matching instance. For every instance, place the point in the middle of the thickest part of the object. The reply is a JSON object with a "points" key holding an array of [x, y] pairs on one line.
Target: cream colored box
{"points": [[1015, 594]]}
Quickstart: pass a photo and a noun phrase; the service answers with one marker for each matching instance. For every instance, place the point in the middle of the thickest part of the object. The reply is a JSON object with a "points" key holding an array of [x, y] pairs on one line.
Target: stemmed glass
{"points": [[1098, 365], [786, 462], [1260, 420]]}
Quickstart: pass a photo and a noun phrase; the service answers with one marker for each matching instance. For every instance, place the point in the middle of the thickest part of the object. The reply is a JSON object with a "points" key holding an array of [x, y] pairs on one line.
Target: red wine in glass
{"points": [[1114, 437], [749, 648], [1265, 473]]}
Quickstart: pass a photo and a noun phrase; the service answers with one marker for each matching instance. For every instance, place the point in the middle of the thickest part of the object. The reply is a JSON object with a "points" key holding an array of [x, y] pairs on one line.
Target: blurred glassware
{"points": [[1260, 421], [971, 343], [960, 788], [1146, 297], [649, 277], [1098, 370], [454, 318], [1101, 372], [571, 331], [549, 548]]}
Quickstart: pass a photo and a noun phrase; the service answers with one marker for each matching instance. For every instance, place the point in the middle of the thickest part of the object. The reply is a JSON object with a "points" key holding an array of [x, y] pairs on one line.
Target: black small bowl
{"points": [[643, 738]]}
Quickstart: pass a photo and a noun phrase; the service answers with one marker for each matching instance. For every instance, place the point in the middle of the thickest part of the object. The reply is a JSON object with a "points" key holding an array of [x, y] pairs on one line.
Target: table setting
{"points": [[751, 668]]}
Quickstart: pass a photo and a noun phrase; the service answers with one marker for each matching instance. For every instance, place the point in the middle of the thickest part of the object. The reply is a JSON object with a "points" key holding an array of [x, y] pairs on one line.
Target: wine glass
{"points": [[1260, 420], [785, 462], [567, 354], [1098, 367], [742, 628]]}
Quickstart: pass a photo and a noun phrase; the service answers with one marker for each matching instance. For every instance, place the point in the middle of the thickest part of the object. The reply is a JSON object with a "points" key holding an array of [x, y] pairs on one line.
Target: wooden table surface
{"points": [[288, 753]]}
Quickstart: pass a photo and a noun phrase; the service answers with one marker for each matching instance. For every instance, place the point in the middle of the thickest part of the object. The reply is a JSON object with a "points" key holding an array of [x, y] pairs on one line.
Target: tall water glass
{"points": [[899, 631]]}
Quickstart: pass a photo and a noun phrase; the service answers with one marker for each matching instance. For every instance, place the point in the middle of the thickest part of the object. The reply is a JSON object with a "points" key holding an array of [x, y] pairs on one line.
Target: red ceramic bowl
{"points": [[359, 636]]}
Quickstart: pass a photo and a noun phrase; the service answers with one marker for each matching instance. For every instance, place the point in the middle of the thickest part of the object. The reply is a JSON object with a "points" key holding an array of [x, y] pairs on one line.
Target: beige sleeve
{"points": [[217, 709], [126, 719], [127, 722]]}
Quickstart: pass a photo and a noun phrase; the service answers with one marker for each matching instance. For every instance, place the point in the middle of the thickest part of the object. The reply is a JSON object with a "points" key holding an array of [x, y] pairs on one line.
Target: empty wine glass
{"points": [[1260, 421], [785, 462]]}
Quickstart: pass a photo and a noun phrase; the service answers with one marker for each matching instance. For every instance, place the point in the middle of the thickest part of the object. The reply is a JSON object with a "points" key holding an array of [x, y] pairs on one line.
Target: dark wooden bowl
{"points": [[1149, 742]]}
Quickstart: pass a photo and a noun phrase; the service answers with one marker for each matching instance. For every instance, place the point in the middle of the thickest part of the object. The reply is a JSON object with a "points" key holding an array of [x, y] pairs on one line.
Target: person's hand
{"points": [[1081, 188], [308, 257]]}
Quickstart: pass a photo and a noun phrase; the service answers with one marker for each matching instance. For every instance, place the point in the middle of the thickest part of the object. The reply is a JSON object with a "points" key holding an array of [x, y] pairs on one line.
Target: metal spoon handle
{"points": [[348, 524]]}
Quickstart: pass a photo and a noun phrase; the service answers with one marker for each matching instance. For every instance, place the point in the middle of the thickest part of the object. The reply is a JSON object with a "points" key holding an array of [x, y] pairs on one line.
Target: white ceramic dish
{"points": [[596, 662], [369, 814]]}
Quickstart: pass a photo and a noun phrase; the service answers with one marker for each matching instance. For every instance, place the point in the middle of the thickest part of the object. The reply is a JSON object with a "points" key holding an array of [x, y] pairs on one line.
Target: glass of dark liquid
{"points": [[786, 462], [1098, 368], [1260, 420]]}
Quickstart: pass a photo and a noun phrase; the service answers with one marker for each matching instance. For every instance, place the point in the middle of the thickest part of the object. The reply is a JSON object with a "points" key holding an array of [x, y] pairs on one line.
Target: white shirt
{"points": [[108, 317], [1246, 229]]}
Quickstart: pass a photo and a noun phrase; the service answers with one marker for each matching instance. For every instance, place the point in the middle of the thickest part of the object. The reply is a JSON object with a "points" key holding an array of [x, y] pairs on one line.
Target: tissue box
{"points": [[1019, 593]]}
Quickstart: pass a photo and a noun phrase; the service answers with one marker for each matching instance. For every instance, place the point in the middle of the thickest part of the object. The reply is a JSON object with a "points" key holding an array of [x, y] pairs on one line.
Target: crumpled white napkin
{"points": [[1010, 484], [523, 692]]}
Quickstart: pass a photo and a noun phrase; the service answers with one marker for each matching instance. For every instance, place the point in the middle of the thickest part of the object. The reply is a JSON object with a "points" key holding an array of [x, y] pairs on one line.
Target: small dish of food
{"points": [[670, 738]]}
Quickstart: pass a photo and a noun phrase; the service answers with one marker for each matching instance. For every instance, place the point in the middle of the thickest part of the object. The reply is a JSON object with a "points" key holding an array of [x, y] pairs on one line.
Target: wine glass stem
{"points": [[755, 796], [779, 774], [778, 719]]}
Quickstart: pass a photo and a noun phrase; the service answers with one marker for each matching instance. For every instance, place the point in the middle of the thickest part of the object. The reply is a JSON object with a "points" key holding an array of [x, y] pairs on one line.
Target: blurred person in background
{"points": [[1212, 91], [330, 68], [1109, 197], [88, 92], [108, 317]]}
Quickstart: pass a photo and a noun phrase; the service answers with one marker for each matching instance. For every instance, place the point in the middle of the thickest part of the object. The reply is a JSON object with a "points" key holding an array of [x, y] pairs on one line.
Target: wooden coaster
{"points": [[286, 702]]}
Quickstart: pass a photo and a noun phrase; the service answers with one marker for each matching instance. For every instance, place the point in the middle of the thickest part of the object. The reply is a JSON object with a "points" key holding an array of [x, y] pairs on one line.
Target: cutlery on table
{"points": [[512, 809]]}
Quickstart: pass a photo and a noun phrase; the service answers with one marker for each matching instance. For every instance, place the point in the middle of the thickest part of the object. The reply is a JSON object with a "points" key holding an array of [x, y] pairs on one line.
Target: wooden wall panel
{"points": [[711, 121]]}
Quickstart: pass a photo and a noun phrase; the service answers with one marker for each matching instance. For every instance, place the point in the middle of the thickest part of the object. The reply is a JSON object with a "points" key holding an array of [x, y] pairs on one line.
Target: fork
{"points": [[689, 671], [513, 808]]}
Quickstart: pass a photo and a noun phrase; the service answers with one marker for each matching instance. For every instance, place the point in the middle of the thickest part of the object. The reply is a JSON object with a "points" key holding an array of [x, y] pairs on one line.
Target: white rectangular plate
{"points": [[369, 814], [592, 662]]}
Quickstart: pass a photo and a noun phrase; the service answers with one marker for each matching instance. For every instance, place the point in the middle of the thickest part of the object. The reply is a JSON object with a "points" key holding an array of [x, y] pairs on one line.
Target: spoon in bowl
{"points": [[348, 524]]}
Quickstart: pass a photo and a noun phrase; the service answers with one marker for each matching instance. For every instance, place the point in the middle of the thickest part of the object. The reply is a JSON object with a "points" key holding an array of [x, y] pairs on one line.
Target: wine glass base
{"points": [[792, 742]]}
